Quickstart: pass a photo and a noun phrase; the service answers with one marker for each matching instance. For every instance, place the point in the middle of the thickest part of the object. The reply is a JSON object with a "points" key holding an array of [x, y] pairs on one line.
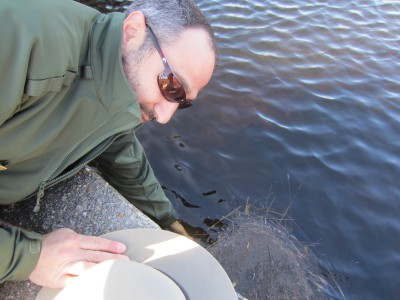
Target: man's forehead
{"points": [[192, 59]]}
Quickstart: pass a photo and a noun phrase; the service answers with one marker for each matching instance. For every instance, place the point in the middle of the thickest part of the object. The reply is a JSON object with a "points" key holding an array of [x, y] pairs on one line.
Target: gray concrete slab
{"points": [[84, 203]]}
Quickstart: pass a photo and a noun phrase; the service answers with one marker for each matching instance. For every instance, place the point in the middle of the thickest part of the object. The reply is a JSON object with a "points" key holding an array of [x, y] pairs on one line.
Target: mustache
{"points": [[148, 111]]}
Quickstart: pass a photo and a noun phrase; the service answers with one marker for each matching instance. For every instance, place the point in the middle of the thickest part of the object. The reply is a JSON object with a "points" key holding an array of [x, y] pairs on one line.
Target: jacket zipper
{"points": [[46, 182]]}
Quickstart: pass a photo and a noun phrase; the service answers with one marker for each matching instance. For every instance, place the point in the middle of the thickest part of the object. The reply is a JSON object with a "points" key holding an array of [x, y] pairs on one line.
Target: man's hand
{"points": [[66, 254], [178, 228]]}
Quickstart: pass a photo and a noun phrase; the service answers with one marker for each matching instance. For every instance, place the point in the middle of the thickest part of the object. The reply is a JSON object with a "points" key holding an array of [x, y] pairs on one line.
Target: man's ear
{"points": [[134, 29]]}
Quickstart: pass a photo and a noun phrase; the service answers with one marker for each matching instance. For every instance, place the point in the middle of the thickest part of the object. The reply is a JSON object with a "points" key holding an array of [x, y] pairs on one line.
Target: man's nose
{"points": [[165, 110]]}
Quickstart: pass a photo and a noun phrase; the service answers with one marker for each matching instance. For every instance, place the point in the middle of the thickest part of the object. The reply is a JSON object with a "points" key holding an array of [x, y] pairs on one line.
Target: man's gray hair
{"points": [[168, 19]]}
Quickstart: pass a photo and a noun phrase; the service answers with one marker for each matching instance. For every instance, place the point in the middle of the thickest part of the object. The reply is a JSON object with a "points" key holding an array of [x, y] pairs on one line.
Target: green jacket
{"points": [[64, 101]]}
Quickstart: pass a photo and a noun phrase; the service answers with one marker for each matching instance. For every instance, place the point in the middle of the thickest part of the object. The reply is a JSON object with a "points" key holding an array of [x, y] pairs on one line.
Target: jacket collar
{"points": [[106, 59]]}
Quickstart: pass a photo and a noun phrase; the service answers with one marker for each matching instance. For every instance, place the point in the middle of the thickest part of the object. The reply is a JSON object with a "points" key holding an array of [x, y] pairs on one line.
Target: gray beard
{"points": [[130, 64]]}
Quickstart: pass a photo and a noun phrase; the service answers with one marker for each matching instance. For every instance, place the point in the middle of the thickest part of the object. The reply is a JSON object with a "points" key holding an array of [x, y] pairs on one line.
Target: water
{"points": [[302, 114]]}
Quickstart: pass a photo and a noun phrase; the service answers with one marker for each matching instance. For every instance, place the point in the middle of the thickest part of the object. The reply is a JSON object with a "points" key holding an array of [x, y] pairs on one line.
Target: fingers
{"points": [[100, 244], [66, 254], [97, 249], [177, 227], [65, 236], [79, 267], [100, 256]]}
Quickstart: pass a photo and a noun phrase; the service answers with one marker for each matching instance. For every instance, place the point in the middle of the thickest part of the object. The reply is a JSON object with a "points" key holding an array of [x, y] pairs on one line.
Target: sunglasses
{"points": [[169, 85]]}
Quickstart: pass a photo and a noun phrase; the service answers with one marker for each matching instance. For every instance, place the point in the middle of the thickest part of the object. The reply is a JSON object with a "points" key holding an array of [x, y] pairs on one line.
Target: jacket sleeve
{"points": [[125, 166], [20, 251]]}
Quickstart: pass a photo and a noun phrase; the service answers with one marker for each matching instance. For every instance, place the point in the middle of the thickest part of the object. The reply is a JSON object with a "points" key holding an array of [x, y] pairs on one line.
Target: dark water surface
{"points": [[302, 113]]}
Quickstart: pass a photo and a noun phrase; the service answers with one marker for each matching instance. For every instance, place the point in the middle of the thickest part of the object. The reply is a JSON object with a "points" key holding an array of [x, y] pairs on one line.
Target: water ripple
{"points": [[311, 89]]}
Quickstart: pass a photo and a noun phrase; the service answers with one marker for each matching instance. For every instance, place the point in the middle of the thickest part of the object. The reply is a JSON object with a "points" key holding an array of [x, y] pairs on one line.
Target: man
{"points": [[75, 85]]}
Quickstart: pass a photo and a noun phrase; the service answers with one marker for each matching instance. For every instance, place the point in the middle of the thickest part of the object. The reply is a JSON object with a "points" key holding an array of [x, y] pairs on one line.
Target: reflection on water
{"points": [[106, 6], [304, 106]]}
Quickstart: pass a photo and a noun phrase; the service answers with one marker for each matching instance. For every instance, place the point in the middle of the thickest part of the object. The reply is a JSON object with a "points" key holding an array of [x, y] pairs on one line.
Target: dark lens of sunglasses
{"points": [[184, 104], [172, 90]]}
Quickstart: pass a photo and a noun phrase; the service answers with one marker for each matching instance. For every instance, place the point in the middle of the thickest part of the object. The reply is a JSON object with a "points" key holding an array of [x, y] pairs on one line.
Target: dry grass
{"points": [[264, 260]]}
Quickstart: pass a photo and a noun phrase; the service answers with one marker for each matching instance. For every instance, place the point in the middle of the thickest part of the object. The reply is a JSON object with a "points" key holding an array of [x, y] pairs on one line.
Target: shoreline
{"points": [[262, 260]]}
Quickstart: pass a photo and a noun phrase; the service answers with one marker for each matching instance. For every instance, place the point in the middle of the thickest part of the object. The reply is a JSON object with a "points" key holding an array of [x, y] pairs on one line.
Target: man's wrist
{"points": [[27, 250]]}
